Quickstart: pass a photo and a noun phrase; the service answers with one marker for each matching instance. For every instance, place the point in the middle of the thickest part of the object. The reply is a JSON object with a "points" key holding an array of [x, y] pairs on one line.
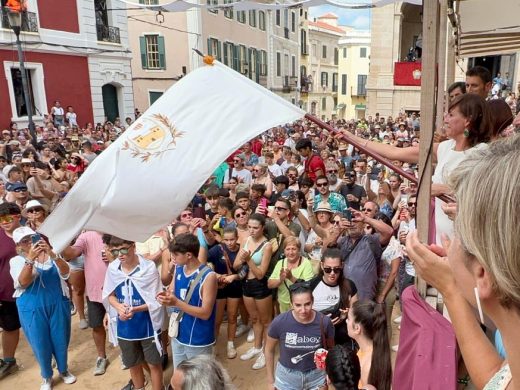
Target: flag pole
{"points": [[376, 156]]}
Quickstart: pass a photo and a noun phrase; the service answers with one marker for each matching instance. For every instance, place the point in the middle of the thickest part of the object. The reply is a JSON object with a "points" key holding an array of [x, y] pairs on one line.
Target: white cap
{"points": [[21, 232], [32, 204]]}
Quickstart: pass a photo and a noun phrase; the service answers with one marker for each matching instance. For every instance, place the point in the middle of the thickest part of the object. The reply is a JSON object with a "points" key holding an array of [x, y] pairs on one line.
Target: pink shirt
{"points": [[91, 246]]}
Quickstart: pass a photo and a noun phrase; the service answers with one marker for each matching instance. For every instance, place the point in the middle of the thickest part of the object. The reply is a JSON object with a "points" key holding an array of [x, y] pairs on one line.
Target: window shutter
{"points": [[257, 59], [226, 59], [236, 63], [219, 50], [250, 62], [209, 47], [142, 44], [162, 53]]}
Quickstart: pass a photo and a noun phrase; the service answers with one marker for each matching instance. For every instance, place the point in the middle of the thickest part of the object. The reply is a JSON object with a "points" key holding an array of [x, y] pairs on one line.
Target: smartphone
{"points": [[35, 238], [33, 164], [347, 214], [263, 202]]}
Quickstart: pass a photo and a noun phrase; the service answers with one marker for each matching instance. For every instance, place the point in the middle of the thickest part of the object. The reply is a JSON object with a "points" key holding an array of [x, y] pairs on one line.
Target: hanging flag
{"points": [[150, 173]]}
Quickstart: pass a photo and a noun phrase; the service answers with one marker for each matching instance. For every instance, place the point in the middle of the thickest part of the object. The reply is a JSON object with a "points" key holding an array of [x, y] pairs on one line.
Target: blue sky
{"points": [[359, 19]]}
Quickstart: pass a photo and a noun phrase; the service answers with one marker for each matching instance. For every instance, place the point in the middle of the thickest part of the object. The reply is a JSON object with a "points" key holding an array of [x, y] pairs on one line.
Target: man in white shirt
{"points": [[239, 171]]}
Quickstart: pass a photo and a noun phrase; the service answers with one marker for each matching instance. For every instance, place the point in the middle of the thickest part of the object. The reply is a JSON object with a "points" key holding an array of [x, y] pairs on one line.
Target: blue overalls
{"points": [[45, 318]]}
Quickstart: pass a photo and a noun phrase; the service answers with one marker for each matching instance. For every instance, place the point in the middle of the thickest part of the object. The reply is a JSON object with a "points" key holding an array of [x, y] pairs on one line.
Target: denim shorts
{"points": [[288, 379], [77, 264], [256, 288], [183, 352]]}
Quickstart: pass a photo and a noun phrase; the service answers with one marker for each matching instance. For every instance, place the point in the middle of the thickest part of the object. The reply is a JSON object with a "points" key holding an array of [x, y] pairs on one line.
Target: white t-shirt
{"points": [[72, 118], [325, 296], [243, 174], [275, 170]]}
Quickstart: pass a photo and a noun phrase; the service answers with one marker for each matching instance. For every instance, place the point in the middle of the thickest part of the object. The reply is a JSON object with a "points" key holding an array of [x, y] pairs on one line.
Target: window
{"points": [[324, 51], [252, 18], [344, 52], [35, 84], [212, 3], [227, 48], [343, 84], [336, 56], [324, 79], [361, 85], [228, 12], [286, 65], [263, 63], [152, 52], [286, 18], [303, 42], [278, 17], [278, 64], [334, 82], [236, 57], [293, 21], [243, 58], [19, 97], [293, 66], [363, 52], [153, 96], [214, 48], [241, 16], [324, 103], [261, 20]]}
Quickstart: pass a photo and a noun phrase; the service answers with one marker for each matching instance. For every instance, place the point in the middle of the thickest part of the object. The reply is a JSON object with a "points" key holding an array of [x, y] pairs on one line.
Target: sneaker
{"points": [[46, 384], [83, 324], [101, 366], [129, 386], [7, 368], [251, 353], [73, 309], [67, 377], [231, 352], [260, 361], [397, 320], [241, 329], [251, 336], [395, 348]]}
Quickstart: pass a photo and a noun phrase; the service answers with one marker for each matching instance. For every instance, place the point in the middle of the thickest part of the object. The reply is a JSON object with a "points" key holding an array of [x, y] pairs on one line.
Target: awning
{"points": [[485, 29], [360, 107], [340, 107]]}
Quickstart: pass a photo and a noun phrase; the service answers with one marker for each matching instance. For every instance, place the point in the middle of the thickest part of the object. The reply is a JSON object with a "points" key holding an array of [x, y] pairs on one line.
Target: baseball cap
{"points": [[21, 232], [17, 186], [287, 194]]}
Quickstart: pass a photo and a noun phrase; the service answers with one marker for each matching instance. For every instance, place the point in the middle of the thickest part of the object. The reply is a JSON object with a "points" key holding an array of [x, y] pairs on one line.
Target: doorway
{"points": [[110, 102]]}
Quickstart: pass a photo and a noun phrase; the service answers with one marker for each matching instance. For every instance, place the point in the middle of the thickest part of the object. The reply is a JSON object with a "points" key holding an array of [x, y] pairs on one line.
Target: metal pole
{"points": [[25, 86]]}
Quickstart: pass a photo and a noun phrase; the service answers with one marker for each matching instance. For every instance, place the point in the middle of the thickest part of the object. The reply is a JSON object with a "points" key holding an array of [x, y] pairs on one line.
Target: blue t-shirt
{"points": [[139, 327], [216, 257]]}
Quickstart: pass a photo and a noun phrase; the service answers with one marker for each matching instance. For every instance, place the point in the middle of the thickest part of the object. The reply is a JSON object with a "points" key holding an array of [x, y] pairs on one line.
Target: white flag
{"points": [[147, 177]]}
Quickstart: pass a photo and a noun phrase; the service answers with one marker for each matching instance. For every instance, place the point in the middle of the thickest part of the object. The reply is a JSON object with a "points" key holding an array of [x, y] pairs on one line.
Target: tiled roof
{"points": [[326, 26], [329, 15]]}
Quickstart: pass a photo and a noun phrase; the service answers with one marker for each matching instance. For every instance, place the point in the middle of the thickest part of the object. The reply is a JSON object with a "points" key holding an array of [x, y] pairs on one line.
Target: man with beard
{"points": [[354, 193], [336, 201], [332, 174]]}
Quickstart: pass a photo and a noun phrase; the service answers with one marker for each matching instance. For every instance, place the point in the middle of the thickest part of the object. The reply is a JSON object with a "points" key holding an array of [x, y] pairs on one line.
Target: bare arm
{"points": [[385, 231], [209, 295], [270, 346], [166, 276], [260, 271]]}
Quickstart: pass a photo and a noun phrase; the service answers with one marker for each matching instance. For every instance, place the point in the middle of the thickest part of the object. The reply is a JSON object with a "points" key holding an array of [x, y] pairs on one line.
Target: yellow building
{"points": [[353, 69]]}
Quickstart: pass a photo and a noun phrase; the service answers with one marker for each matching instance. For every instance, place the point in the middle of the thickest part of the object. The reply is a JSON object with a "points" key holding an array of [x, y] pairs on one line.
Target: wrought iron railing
{"points": [[29, 21], [108, 33]]}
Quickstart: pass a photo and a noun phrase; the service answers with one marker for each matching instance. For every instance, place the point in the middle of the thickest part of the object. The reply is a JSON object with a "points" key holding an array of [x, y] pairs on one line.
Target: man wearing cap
{"points": [[10, 215], [238, 170], [19, 193], [344, 157], [336, 201], [42, 186], [354, 193]]}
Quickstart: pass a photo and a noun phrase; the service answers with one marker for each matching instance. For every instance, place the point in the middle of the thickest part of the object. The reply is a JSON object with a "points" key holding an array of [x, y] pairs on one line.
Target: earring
{"points": [[479, 306], [466, 133]]}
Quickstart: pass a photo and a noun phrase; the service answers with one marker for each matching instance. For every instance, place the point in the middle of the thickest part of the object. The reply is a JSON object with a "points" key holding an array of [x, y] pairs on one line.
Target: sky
{"points": [[357, 18]]}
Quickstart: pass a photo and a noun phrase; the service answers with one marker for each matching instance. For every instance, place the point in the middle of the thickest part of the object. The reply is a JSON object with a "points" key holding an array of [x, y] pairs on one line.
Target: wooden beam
{"points": [[442, 47], [428, 116]]}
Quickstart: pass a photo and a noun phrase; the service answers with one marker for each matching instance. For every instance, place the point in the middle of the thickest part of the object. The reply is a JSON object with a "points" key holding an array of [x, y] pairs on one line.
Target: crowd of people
{"points": [[297, 242]]}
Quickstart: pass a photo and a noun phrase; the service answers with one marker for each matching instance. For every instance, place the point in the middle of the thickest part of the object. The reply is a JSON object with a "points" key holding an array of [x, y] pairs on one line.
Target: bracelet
{"points": [[29, 262]]}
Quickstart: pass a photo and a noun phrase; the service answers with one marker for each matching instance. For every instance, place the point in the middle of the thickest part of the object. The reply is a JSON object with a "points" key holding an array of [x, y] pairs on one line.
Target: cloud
{"points": [[357, 18], [362, 22]]}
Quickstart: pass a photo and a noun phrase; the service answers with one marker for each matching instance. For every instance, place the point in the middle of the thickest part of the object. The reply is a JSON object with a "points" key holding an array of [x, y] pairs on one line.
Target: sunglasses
{"points": [[185, 215], [20, 190], [26, 165], [117, 252], [237, 161], [333, 171], [321, 184], [280, 208], [240, 215], [256, 170], [369, 210], [412, 204], [291, 175], [35, 210], [297, 285], [7, 218], [336, 222], [335, 270]]}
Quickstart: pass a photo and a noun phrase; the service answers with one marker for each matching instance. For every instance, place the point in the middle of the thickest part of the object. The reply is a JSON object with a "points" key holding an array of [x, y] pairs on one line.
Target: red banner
{"points": [[407, 73]]}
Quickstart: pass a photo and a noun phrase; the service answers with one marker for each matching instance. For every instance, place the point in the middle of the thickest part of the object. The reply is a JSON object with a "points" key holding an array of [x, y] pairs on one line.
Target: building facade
{"points": [[354, 63], [322, 64], [75, 52]]}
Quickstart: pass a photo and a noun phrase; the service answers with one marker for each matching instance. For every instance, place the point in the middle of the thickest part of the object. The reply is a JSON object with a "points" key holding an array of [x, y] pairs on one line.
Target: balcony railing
{"points": [[29, 21], [108, 33]]}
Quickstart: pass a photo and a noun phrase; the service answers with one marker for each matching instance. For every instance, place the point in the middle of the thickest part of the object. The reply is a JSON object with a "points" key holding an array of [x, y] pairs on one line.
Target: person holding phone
{"points": [[42, 299]]}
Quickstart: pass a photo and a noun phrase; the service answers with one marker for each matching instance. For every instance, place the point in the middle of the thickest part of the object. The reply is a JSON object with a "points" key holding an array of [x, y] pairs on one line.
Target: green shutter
{"points": [[209, 47], [235, 57], [162, 53], [257, 59], [250, 62], [219, 51], [142, 44], [226, 59]]}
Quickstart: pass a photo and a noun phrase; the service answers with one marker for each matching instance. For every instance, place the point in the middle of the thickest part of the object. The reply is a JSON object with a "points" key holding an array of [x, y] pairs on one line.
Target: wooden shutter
{"points": [[144, 59], [162, 53]]}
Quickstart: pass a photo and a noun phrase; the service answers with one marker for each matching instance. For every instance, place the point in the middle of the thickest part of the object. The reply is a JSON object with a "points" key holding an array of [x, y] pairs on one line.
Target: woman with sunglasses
{"points": [[261, 175], [299, 332], [288, 271], [254, 258], [321, 222], [240, 216], [384, 198], [43, 303], [334, 293], [35, 213]]}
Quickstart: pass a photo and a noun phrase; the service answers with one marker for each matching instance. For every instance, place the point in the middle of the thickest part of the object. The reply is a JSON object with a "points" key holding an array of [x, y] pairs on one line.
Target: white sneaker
{"points": [[395, 348], [68, 378], [231, 352], [241, 329], [251, 336], [260, 361], [101, 366], [83, 324], [397, 320], [251, 353], [46, 384]]}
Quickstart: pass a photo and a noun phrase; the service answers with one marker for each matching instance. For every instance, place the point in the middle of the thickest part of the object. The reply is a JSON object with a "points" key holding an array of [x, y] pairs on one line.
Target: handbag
{"points": [[176, 317]]}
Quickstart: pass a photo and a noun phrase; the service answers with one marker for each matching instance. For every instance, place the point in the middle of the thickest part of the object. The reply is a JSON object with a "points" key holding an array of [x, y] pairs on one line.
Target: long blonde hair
{"points": [[487, 186]]}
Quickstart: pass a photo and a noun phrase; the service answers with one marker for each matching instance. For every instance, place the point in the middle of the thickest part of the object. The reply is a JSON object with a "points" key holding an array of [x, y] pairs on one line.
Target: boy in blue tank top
{"points": [[196, 334]]}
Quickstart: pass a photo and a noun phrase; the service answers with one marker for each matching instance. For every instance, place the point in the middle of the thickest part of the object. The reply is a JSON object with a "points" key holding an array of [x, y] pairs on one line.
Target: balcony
{"points": [[29, 21], [108, 34], [286, 85], [359, 91], [407, 73]]}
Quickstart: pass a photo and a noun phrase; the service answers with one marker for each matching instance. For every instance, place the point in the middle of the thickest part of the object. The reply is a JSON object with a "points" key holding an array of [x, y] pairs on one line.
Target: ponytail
{"points": [[371, 316], [343, 369]]}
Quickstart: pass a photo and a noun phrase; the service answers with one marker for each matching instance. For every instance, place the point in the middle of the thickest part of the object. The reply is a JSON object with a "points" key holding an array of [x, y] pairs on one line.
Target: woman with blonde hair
{"points": [[482, 269], [261, 176]]}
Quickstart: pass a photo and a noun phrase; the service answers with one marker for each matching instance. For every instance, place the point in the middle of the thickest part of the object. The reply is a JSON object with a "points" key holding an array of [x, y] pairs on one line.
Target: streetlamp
{"points": [[15, 21]]}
